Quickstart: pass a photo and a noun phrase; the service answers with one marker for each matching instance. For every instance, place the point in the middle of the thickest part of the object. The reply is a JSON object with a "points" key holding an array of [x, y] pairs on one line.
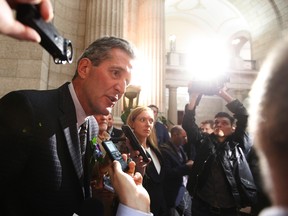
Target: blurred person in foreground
{"points": [[268, 105]]}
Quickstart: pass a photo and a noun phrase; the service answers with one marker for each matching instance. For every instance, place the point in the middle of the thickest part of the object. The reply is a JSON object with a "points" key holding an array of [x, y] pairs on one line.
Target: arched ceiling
{"points": [[202, 18], [212, 14]]}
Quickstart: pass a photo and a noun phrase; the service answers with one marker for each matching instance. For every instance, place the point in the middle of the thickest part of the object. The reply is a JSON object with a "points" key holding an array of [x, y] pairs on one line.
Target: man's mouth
{"points": [[113, 99]]}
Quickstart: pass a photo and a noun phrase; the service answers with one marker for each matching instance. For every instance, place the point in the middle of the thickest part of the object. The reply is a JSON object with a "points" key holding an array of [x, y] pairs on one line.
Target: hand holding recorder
{"points": [[129, 187], [136, 146], [13, 28], [137, 152]]}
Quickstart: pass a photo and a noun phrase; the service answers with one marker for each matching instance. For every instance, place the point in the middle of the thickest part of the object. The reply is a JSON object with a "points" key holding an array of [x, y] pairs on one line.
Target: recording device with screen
{"points": [[107, 184], [208, 87], [59, 47], [134, 142], [114, 153]]}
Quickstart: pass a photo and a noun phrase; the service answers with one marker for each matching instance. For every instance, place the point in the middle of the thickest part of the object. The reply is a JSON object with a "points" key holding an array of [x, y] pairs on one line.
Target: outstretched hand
{"points": [[225, 95], [137, 158], [129, 187], [13, 28]]}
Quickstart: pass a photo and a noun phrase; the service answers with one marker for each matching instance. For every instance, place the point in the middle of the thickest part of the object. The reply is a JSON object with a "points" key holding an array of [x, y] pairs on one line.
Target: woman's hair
{"points": [[152, 140]]}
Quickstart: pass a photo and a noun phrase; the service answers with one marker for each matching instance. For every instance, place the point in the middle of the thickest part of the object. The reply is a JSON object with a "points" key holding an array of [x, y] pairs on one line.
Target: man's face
{"points": [[180, 138], [104, 85], [102, 122], [223, 127], [110, 120], [155, 112], [206, 128]]}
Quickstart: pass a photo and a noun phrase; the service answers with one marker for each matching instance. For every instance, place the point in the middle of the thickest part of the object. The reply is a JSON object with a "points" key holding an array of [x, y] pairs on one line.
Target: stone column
{"points": [[105, 18], [172, 109], [151, 46]]}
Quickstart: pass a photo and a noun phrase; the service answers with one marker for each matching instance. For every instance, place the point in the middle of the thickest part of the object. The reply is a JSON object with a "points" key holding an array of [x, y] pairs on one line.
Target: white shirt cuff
{"points": [[124, 210]]}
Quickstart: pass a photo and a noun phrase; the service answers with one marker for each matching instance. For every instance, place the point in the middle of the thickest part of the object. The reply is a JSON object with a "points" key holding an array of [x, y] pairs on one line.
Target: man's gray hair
{"points": [[99, 50]]}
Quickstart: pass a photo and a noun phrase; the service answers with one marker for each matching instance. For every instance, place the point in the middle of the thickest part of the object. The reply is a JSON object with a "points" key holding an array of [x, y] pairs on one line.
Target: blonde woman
{"points": [[141, 120]]}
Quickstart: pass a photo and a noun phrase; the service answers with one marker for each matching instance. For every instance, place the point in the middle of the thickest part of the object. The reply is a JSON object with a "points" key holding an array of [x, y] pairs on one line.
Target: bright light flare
{"points": [[207, 58]]}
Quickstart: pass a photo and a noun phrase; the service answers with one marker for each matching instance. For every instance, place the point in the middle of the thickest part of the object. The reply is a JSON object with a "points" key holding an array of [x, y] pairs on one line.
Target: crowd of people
{"points": [[52, 162]]}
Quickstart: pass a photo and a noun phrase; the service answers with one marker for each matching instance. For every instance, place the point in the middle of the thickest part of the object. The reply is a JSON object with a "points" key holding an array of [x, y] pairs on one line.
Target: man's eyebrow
{"points": [[116, 67]]}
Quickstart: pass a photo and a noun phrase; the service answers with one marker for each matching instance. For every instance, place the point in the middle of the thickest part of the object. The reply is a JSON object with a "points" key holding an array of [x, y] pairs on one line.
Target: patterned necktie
{"points": [[83, 138]]}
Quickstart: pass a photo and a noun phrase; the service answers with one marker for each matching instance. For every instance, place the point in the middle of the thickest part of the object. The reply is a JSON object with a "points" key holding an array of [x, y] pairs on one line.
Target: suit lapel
{"points": [[69, 126], [92, 128], [91, 133]]}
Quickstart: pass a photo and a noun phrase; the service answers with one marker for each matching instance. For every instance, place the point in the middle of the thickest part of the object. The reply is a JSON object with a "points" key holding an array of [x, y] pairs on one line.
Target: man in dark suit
{"points": [[44, 170], [161, 130], [177, 167], [113, 131]]}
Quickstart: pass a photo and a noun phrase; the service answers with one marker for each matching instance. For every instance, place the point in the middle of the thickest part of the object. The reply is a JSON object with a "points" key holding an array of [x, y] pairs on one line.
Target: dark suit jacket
{"points": [[41, 171], [116, 133], [153, 182], [161, 133], [175, 172]]}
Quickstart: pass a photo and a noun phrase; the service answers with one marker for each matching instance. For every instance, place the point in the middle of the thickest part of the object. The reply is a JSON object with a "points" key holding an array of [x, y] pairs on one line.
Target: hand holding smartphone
{"points": [[114, 153], [134, 142]]}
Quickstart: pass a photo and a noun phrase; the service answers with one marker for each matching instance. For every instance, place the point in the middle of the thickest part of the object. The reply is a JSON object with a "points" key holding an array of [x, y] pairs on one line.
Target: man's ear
{"points": [[84, 67]]}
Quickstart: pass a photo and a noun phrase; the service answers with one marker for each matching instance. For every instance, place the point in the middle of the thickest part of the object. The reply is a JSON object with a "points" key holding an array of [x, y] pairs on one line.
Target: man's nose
{"points": [[121, 87]]}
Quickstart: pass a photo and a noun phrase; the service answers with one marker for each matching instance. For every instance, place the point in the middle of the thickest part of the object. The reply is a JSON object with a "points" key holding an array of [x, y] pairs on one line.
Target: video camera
{"points": [[208, 87], [59, 47]]}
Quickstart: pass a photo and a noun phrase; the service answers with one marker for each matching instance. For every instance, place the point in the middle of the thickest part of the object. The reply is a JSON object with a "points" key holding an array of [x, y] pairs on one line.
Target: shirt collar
{"points": [[80, 113]]}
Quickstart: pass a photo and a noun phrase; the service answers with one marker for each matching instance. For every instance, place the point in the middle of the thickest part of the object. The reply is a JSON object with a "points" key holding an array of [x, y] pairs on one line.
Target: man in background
{"points": [[207, 126], [113, 131], [213, 182], [161, 130], [178, 166]]}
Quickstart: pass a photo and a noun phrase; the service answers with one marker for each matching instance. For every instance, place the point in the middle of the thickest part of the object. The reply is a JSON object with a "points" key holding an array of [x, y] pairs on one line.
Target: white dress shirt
{"points": [[275, 211], [124, 210]]}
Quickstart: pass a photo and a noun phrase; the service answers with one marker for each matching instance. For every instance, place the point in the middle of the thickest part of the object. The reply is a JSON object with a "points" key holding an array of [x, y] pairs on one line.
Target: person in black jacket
{"points": [[111, 129], [45, 165], [178, 166], [220, 162]]}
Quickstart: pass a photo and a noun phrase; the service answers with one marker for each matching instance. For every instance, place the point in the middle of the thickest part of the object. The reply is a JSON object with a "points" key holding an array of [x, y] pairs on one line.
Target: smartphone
{"points": [[134, 142], [114, 153]]}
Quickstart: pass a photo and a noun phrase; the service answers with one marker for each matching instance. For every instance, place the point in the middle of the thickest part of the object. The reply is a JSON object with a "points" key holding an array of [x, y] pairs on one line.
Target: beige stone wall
{"points": [[268, 24], [70, 19], [21, 65]]}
